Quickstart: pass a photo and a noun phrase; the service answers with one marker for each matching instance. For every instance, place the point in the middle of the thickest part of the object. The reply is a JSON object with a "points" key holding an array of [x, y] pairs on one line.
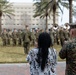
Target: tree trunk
{"points": [[54, 11], [0, 22], [53, 18], [0, 26], [70, 11], [46, 23], [46, 19]]}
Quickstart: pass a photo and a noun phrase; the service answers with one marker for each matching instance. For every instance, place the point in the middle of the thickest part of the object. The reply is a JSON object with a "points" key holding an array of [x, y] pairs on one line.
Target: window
{"points": [[21, 12], [17, 19], [17, 15], [29, 11], [17, 24], [22, 19], [48, 24], [33, 24], [17, 11], [1, 19], [17, 7], [37, 19]]}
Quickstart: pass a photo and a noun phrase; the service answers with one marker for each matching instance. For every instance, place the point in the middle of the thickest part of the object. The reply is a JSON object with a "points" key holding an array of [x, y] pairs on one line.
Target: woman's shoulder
{"points": [[34, 50], [52, 50]]}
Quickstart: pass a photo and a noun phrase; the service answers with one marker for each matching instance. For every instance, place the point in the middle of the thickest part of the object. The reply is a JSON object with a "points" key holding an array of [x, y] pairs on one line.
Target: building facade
{"points": [[24, 16]]}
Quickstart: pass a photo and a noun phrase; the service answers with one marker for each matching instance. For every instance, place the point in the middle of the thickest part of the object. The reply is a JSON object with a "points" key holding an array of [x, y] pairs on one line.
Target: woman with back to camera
{"points": [[43, 59]]}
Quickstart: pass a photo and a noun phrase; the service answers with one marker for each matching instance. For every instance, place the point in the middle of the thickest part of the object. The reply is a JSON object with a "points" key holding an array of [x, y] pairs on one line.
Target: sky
{"points": [[64, 17]]}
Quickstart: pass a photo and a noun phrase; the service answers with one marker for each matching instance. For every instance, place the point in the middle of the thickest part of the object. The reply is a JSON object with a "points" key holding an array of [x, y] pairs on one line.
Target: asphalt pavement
{"points": [[23, 69]]}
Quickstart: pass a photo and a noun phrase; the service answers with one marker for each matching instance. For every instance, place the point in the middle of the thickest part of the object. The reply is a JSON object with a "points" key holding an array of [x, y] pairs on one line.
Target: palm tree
{"points": [[38, 11], [54, 6], [54, 12], [5, 9], [70, 9], [42, 10]]}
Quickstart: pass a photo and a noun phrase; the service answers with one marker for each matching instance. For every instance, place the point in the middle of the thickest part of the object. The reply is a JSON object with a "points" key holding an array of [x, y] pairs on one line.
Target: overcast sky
{"points": [[65, 16]]}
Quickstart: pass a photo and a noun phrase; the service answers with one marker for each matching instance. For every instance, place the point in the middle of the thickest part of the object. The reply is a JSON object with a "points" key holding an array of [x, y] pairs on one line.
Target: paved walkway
{"points": [[23, 69]]}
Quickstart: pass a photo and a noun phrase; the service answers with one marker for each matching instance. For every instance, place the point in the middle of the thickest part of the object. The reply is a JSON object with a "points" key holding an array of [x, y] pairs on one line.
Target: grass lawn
{"points": [[15, 54], [58, 48]]}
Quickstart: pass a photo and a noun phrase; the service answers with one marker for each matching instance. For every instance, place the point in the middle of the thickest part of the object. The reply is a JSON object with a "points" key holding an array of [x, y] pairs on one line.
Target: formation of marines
{"points": [[27, 38], [59, 35]]}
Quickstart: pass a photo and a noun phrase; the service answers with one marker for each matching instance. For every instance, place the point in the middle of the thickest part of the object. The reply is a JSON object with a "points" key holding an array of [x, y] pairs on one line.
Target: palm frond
{"points": [[60, 8], [6, 7], [64, 4]]}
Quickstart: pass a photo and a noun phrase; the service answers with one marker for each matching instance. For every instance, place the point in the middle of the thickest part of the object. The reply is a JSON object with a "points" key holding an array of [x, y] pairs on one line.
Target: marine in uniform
{"points": [[68, 51], [19, 35], [51, 33], [33, 37], [26, 40], [8, 37], [66, 34], [4, 37], [61, 36], [14, 37]]}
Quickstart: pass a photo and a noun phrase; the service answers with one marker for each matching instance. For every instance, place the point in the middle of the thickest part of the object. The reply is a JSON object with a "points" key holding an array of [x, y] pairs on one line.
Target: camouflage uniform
{"points": [[8, 38], [69, 52], [52, 36], [66, 34], [33, 38], [4, 37], [19, 34], [26, 41], [14, 38], [61, 36], [37, 34]]}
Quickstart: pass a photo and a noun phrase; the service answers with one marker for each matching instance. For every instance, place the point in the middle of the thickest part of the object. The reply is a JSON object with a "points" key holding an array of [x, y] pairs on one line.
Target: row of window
{"points": [[24, 12], [23, 24], [25, 19], [21, 19], [23, 8]]}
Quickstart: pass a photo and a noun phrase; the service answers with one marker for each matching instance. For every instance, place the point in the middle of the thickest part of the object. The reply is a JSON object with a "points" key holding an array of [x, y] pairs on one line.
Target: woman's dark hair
{"points": [[44, 42]]}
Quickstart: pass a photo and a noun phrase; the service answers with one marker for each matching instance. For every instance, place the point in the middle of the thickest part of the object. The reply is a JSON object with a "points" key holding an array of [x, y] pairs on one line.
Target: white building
{"points": [[24, 16]]}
